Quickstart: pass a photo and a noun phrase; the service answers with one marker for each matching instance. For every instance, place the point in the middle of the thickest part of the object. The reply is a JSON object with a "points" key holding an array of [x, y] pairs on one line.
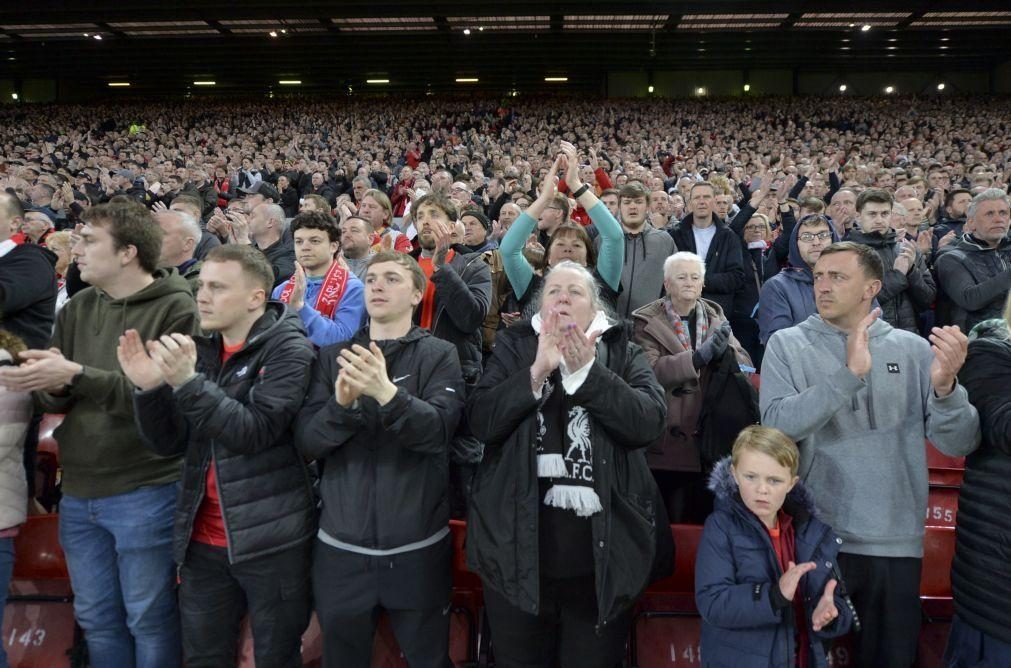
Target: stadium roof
{"points": [[411, 45]]}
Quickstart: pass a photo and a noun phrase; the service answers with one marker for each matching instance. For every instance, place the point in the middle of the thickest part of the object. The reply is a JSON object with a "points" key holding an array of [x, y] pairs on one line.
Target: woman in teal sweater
{"points": [[569, 241]]}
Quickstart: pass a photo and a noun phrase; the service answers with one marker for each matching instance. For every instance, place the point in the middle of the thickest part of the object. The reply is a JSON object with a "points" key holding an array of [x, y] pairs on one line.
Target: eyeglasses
{"points": [[754, 228], [808, 237]]}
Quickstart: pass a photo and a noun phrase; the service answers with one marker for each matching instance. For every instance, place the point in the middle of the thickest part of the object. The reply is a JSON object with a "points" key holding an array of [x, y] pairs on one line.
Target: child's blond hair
{"points": [[768, 441]]}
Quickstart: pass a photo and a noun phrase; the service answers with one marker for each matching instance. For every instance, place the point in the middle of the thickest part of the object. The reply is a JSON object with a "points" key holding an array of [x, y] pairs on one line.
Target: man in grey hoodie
{"points": [[860, 397], [646, 248]]}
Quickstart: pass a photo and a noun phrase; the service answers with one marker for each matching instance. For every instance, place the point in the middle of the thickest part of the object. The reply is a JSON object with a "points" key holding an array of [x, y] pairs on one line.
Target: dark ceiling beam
{"points": [[328, 23], [220, 28], [115, 32], [791, 19], [909, 20], [442, 24]]}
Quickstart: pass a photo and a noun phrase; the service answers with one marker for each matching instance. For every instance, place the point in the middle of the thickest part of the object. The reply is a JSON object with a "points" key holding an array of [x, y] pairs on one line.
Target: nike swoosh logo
{"points": [[397, 379]]}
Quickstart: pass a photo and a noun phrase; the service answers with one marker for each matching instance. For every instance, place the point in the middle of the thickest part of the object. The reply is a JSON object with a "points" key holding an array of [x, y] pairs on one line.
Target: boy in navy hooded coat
{"points": [[766, 580]]}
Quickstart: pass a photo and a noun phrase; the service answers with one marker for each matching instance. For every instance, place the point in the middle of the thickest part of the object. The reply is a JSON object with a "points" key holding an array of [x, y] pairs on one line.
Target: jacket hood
{"points": [[970, 244], [796, 262], [878, 328], [166, 282], [689, 220], [872, 239], [389, 346], [724, 487], [277, 320]]}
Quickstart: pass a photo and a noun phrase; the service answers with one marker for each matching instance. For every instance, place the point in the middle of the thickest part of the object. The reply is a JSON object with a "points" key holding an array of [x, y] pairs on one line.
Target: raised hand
{"points": [[825, 612], [549, 353], [297, 299], [365, 372], [790, 580], [176, 357], [858, 352], [576, 347], [906, 258], [136, 363], [950, 346]]}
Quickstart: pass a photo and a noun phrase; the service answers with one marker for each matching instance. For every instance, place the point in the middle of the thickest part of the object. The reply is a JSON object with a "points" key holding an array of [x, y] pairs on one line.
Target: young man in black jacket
{"points": [[380, 414], [245, 516]]}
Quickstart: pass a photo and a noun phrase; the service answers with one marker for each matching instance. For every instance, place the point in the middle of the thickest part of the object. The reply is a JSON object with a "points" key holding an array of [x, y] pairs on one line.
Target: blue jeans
{"points": [[968, 647], [119, 555], [6, 570]]}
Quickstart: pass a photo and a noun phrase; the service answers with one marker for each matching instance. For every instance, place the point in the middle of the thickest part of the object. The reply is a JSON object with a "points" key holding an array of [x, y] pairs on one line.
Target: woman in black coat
{"points": [[981, 570], [564, 521]]}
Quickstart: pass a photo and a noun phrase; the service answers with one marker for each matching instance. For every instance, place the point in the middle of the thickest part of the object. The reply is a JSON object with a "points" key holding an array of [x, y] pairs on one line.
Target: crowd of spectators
{"points": [[526, 289]]}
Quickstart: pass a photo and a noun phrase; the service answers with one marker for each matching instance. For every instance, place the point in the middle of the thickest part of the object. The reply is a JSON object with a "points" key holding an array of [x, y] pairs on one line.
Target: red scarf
{"points": [[330, 293], [428, 300]]}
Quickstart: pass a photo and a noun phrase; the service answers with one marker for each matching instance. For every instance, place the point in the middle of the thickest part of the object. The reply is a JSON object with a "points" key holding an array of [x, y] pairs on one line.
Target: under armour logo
{"points": [[892, 367]]}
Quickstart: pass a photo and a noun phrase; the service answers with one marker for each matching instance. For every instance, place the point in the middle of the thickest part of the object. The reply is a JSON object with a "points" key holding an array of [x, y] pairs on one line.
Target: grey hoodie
{"points": [[862, 441], [642, 271]]}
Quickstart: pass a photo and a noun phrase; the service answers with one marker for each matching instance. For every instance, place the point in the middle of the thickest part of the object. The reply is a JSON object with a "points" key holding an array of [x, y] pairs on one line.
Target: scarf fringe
{"points": [[551, 466], [583, 500]]}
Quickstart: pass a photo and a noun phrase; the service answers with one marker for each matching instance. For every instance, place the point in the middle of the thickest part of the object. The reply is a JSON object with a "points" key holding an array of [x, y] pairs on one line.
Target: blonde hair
{"points": [[721, 184], [767, 441], [12, 345]]}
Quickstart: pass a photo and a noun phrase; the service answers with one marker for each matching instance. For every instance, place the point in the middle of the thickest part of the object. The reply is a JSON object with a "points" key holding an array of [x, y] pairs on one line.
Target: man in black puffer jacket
{"points": [[380, 414], [980, 571], [907, 288], [245, 514]]}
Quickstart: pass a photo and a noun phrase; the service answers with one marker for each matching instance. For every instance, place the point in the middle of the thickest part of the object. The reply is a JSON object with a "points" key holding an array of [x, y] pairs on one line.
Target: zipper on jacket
{"points": [[192, 517], [221, 504], [871, 418]]}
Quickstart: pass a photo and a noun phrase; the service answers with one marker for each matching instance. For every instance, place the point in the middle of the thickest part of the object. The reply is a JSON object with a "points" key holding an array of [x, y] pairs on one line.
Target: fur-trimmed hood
{"points": [[724, 487]]}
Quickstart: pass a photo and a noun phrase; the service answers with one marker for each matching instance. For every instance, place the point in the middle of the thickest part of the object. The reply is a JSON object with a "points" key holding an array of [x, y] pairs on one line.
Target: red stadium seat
{"points": [[944, 471], [47, 442], [666, 619], [935, 580], [47, 463], [942, 507], [39, 628], [37, 551], [664, 642]]}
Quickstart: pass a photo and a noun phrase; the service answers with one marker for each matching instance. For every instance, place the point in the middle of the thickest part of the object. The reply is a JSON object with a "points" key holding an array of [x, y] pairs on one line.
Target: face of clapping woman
{"points": [[567, 293]]}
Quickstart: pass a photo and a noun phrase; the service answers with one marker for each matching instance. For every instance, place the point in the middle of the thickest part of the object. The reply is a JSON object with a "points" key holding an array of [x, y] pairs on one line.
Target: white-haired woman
{"points": [[682, 334], [565, 518]]}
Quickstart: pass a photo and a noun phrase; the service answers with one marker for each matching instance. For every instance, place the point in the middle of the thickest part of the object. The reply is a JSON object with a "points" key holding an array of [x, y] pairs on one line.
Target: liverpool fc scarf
{"points": [[565, 443], [330, 293]]}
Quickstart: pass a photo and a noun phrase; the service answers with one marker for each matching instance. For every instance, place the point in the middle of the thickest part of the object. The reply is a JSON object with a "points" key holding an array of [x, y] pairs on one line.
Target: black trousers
{"points": [[351, 591], [886, 594], [214, 595], [563, 631]]}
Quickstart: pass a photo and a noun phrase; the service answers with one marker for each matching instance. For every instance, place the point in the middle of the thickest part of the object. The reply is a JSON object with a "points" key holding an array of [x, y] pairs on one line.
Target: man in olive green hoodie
{"points": [[118, 497]]}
